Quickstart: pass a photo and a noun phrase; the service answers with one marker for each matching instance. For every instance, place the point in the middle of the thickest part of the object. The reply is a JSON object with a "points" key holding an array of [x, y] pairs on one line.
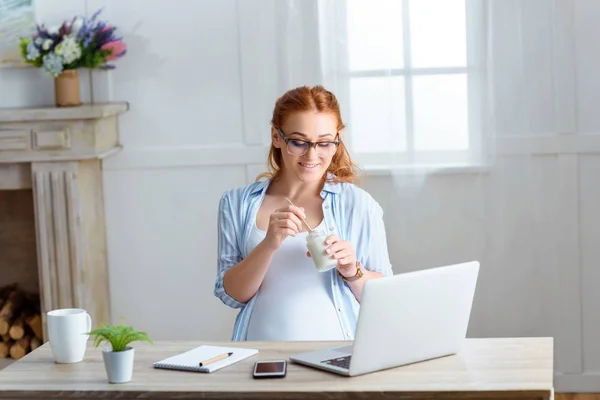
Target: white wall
{"points": [[191, 133]]}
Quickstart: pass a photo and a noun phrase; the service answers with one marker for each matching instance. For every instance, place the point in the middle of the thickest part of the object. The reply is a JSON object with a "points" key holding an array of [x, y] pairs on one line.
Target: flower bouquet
{"points": [[61, 50]]}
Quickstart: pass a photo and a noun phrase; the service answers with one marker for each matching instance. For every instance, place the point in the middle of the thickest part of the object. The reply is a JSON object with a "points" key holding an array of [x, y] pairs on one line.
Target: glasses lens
{"points": [[325, 149], [296, 147]]}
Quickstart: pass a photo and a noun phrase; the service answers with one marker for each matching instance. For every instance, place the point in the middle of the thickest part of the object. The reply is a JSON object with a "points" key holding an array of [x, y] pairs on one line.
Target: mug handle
{"points": [[89, 323]]}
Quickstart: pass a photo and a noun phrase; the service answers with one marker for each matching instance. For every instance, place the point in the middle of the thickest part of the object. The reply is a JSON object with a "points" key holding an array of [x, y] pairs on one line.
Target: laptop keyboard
{"points": [[341, 362]]}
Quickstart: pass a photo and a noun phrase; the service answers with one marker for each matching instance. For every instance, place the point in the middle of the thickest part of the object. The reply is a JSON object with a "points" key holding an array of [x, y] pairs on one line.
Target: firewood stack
{"points": [[20, 322]]}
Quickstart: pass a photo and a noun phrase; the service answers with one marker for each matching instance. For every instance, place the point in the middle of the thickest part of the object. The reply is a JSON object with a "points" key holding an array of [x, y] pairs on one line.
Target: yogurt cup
{"points": [[315, 241]]}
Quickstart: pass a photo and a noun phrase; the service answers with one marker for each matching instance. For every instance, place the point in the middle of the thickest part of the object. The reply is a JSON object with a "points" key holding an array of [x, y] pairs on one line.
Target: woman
{"points": [[264, 267]]}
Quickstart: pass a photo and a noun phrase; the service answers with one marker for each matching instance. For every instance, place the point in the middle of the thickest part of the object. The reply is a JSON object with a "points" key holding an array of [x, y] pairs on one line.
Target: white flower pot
{"points": [[118, 364]]}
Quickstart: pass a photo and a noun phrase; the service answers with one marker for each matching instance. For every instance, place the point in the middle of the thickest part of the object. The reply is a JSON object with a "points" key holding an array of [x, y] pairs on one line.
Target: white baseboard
{"points": [[577, 383]]}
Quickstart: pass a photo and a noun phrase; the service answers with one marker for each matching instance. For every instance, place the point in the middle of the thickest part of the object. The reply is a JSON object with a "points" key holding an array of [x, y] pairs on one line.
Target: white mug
{"points": [[68, 333]]}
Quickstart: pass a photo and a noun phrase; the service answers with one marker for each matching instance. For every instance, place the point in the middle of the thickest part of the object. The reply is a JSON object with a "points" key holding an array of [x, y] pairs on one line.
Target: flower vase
{"points": [[66, 89]]}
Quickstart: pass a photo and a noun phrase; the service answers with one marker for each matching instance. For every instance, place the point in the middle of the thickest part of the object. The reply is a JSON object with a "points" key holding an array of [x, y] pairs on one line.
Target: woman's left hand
{"points": [[343, 251]]}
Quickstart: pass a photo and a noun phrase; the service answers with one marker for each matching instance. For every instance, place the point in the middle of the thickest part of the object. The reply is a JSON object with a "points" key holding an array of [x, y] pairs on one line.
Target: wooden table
{"points": [[519, 368]]}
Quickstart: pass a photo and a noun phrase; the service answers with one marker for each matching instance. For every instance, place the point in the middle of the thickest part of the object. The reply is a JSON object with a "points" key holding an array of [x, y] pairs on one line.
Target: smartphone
{"points": [[269, 369]]}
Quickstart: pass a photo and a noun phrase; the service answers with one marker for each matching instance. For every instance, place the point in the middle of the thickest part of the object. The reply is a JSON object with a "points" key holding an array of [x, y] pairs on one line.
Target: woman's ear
{"points": [[275, 139]]}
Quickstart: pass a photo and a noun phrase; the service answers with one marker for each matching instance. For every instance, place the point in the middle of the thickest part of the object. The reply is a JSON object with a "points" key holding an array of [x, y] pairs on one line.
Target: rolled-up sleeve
{"points": [[228, 253], [377, 258]]}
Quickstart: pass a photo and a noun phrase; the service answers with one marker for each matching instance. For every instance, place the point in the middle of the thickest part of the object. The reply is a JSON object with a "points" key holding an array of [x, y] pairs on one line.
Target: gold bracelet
{"points": [[359, 274]]}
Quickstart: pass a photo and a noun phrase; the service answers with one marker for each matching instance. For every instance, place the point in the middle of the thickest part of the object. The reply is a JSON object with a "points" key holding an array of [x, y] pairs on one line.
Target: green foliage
{"points": [[23, 43], [90, 59], [119, 336]]}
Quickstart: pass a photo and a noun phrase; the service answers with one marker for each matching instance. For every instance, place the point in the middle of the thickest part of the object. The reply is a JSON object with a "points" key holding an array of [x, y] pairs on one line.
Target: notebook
{"points": [[190, 360]]}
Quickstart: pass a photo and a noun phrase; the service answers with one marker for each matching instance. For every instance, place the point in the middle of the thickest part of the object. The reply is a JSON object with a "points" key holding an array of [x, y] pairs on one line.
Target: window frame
{"points": [[475, 72]]}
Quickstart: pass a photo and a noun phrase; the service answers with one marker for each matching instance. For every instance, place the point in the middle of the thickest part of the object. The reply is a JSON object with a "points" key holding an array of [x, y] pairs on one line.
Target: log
{"points": [[5, 349], [11, 310], [12, 307], [4, 327], [19, 348], [17, 330], [34, 343], [5, 338], [24, 342], [35, 323], [5, 291]]}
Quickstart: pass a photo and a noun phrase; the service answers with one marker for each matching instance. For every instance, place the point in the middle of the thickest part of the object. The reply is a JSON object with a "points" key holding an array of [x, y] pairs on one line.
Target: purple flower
{"points": [[88, 29]]}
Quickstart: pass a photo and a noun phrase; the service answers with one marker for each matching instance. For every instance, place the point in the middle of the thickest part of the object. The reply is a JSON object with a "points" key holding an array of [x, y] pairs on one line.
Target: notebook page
{"points": [[189, 360]]}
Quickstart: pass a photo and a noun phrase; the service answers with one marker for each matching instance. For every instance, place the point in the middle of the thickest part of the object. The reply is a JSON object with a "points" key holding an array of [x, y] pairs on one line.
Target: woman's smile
{"points": [[309, 166]]}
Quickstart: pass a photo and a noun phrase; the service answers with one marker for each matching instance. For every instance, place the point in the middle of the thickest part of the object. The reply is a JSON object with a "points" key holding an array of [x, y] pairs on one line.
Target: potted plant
{"points": [[62, 50], [118, 359]]}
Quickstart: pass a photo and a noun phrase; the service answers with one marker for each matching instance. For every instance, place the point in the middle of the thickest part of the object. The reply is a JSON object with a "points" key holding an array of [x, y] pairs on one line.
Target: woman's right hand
{"points": [[283, 222]]}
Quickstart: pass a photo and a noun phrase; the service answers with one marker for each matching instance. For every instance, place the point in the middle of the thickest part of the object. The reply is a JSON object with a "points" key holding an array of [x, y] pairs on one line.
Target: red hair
{"points": [[303, 99]]}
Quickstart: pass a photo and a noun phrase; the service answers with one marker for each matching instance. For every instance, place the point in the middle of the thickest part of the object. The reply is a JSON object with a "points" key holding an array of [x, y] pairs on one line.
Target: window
{"points": [[413, 82]]}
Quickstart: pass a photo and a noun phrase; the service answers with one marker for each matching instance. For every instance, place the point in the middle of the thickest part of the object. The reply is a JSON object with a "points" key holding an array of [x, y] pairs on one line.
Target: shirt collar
{"points": [[260, 186], [329, 186]]}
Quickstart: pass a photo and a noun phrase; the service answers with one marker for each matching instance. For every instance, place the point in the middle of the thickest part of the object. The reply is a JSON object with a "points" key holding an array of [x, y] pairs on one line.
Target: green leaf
{"points": [[118, 336], [23, 43]]}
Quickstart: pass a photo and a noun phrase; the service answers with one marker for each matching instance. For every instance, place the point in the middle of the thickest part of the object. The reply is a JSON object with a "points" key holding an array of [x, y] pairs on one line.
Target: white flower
{"points": [[32, 51], [76, 26], [47, 44], [53, 64], [69, 49]]}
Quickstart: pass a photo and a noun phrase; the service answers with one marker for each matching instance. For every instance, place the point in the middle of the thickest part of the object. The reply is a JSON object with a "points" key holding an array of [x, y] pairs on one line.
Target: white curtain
{"points": [[496, 197]]}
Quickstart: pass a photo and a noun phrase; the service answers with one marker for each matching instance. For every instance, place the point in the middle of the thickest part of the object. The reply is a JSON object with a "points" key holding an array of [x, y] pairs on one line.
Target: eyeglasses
{"points": [[298, 147]]}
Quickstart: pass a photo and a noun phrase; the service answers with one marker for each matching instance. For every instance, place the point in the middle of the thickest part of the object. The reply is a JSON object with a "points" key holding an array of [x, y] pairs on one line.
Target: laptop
{"points": [[404, 319]]}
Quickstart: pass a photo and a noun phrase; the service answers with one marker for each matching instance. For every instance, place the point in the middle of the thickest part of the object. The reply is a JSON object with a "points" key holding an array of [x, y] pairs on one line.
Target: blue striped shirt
{"points": [[349, 212]]}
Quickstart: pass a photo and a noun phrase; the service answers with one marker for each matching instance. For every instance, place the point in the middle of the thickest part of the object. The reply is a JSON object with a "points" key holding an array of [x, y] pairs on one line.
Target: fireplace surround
{"points": [[57, 154]]}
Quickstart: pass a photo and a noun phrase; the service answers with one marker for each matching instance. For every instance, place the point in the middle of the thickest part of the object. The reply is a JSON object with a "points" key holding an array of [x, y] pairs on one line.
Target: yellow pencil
{"points": [[214, 359]]}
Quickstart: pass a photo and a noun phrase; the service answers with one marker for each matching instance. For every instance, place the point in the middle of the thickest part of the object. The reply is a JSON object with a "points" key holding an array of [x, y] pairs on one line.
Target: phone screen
{"points": [[269, 367]]}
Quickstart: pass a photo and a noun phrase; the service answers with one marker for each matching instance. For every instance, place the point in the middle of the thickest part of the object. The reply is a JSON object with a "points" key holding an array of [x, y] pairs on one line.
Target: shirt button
{"points": [[347, 334], [327, 206], [331, 228]]}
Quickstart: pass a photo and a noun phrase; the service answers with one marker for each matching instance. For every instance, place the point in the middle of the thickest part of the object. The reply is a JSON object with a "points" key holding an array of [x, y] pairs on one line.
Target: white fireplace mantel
{"points": [[57, 153]]}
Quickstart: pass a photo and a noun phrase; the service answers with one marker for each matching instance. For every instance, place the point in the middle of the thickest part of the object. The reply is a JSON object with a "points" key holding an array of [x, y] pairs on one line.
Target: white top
{"points": [[294, 301]]}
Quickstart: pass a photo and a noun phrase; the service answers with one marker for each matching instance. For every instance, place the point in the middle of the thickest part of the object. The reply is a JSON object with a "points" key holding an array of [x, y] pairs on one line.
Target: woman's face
{"points": [[304, 127]]}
